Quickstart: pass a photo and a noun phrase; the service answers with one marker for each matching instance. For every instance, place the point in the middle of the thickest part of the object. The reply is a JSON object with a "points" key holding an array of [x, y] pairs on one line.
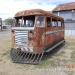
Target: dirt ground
{"points": [[60, 62]]}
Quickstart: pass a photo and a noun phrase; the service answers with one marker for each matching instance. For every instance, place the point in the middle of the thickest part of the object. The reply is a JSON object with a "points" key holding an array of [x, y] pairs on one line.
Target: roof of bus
{"points": [[36, 12]]}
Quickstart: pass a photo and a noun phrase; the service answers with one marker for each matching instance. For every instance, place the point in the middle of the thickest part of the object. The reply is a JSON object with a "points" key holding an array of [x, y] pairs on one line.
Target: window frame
{"points": [[50, 20], [55, 21], [42, 22]]}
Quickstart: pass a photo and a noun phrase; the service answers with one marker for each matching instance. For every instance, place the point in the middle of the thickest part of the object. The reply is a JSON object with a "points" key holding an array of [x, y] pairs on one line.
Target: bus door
{"points": [[39, 33]]}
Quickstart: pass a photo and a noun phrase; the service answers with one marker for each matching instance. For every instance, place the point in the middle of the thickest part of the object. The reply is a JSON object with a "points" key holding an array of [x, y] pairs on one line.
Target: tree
{"points": [[9, 21]]}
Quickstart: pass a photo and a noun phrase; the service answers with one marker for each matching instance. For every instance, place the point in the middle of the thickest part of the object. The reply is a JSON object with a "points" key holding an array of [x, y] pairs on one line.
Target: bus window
{"points": [[20, 22], [62, 23], [59, 23], [48, 21], [54, 23], [27, 21], [40, 21], [17, 22]]}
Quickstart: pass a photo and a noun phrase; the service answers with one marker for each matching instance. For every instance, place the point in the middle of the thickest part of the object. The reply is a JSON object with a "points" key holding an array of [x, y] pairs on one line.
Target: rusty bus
{"points": [[35, 32]]}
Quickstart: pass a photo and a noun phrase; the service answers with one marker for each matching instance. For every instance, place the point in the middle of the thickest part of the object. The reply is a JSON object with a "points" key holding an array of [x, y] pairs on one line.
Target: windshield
{"points": [[27, 21]]}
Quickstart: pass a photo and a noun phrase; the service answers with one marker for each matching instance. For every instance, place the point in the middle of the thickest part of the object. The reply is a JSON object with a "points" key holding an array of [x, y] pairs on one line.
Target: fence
{"points": [[70, 30]]}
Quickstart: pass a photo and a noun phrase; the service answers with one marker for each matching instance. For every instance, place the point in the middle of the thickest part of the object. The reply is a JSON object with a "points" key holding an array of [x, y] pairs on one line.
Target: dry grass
{"points": [[59, 58]]}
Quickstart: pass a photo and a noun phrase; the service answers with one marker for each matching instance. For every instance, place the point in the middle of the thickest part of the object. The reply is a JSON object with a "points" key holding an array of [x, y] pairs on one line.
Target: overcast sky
{"points": [[8, 8]]}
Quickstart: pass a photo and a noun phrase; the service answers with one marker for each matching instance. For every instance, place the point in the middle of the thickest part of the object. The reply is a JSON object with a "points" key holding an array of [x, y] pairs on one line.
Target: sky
{"points": [[8, 8]]}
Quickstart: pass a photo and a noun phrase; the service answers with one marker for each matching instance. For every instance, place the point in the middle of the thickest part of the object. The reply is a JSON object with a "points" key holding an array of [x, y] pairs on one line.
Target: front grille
{"points": [[21, 37]]}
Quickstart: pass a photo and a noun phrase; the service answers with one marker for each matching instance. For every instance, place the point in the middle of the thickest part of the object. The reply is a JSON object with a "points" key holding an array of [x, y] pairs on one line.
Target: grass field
{"points": [[60, 61]]}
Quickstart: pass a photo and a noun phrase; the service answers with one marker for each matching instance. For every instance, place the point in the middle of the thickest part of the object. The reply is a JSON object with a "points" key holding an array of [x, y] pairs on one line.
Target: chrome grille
{"points": [[21, 37]]}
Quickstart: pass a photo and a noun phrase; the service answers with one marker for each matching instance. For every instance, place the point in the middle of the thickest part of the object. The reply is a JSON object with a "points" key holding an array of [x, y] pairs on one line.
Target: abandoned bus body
{"points": [[36, 31]]}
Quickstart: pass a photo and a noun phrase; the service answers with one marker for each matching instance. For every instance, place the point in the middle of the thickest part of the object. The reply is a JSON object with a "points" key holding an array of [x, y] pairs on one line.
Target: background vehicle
{"points": [[1, 24]]}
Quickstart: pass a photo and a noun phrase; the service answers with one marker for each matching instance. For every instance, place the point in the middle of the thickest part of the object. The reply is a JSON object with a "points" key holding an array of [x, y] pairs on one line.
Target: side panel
{"points": [[53, 36], [50, 37], [39, 41]]}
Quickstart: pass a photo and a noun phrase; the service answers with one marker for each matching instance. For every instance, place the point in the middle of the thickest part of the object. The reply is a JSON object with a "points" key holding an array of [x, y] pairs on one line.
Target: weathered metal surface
{"points": [[38, 39], [36, 12]]}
